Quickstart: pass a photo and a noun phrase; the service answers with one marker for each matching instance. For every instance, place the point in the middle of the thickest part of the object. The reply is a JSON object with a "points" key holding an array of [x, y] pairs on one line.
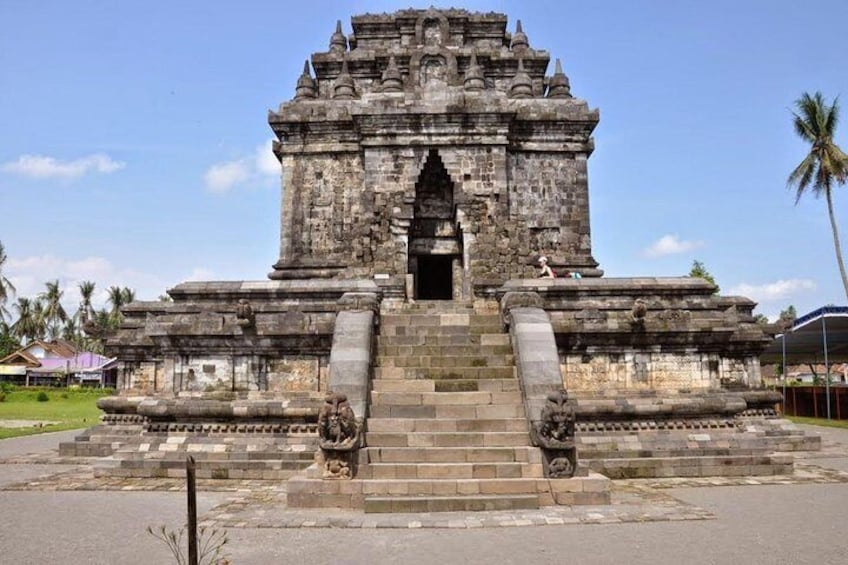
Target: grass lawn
{"points": [[68, 407], [819, 422]]}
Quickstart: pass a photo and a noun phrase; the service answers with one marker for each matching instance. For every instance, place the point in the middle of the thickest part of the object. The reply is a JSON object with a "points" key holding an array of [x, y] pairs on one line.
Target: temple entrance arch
{"points": [[435, 251]]}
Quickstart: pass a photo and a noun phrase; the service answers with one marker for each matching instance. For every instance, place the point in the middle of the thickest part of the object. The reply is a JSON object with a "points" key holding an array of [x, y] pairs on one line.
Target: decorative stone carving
{"points": [[512, 300], [519, 39], [392, 80], [474, 79], [244, 314], [638, 313], [339, 437], [554, 434], [306, 87], [558, 86], [344, 88], [359, 301], [433, 70], [338, 42], [521, 85]]}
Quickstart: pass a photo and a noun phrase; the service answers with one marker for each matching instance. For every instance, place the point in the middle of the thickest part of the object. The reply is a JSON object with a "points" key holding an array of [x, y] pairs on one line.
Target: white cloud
{"points": [[43, 167], [30, 273], [774, 291], [671, 244], [258, 169], [266, 161], [200, 274], [221, 178]]}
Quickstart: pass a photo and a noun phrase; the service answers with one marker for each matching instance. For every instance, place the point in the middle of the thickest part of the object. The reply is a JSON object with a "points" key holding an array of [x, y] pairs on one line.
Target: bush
{"points": [[2, 396], [6, 387], [42, 397]]}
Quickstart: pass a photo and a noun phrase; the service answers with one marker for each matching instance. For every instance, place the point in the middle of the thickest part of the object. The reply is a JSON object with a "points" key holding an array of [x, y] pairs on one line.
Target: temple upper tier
{"points": [[431, 145]]}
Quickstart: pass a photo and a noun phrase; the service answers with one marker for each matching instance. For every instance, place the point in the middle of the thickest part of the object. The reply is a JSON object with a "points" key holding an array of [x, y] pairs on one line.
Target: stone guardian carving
{"points": [[554, 434], [339, 437]]}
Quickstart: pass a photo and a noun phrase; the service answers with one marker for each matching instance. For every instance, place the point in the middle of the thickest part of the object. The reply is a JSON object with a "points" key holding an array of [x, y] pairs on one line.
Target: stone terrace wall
{"points": [[687, 338]]}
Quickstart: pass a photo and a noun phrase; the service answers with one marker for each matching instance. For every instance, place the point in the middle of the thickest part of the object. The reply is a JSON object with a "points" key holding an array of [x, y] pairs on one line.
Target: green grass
{"points": [[70, 408], [819, 422]]}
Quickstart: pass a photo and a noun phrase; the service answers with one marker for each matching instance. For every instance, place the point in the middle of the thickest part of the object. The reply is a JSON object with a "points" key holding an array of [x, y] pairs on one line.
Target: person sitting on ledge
{"points": [[546, 272]]}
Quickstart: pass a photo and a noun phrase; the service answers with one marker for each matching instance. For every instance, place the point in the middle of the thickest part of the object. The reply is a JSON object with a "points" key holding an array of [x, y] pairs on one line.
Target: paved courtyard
{"points": [[56, 511]]}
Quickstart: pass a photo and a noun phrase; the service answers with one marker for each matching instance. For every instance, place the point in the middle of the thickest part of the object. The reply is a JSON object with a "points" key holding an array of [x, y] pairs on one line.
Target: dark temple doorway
{"points": [[435, 277], [434, 234]]}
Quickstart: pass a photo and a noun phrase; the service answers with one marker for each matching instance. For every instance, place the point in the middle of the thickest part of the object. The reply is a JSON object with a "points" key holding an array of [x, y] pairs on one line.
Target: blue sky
{"points": [[134, 146]]}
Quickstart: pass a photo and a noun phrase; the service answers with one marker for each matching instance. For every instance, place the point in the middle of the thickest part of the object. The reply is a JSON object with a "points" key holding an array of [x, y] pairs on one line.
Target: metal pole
{"points": [[192, 511], [826, 366], [783, 346]]}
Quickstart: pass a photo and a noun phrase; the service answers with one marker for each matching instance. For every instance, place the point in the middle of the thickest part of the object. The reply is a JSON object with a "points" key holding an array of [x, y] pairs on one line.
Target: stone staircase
{"points": [[447, 429]]}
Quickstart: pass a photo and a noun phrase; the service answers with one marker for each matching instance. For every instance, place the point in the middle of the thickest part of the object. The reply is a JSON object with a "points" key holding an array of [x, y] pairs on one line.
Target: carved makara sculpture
{"points": [[554, 434], [339, 437]]}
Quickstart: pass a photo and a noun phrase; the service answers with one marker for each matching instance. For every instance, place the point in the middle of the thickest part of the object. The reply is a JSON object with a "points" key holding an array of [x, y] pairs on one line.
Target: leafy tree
{"points": [[7, 289], [787, 317], [8, 341], [825, 165], [761, 319], [698, 270]]}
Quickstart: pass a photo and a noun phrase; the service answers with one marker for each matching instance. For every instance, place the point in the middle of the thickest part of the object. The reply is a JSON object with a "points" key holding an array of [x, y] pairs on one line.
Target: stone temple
{"points": [[404, 355]]}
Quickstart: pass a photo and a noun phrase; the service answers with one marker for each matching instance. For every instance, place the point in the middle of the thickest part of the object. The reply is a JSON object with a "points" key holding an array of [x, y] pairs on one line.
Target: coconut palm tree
{"points": [[54, 312], [26, 327], [39, 319], [85, 310], [128, 295], [116, 299], [825, 165], [7, 289]]}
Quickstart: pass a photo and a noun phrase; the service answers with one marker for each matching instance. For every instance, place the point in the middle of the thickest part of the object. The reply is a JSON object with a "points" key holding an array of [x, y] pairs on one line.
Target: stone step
{"points": [[448, 411], [312, 492], [666, 451], [453, 385], [439, 319], [431, 425], [496, 338], [447, 439], [416, 487], [244, 464], [522, 454], [102, 469], [512, 470], [477, 398], [470, 503], [464, 373], [135, 454], [443, 350], [432, 306], [441, 330], [706, 466], [445, 361]]}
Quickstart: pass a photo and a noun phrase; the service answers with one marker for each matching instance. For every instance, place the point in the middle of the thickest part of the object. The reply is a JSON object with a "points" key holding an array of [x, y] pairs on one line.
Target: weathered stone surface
{"points": [[432, 135]]}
